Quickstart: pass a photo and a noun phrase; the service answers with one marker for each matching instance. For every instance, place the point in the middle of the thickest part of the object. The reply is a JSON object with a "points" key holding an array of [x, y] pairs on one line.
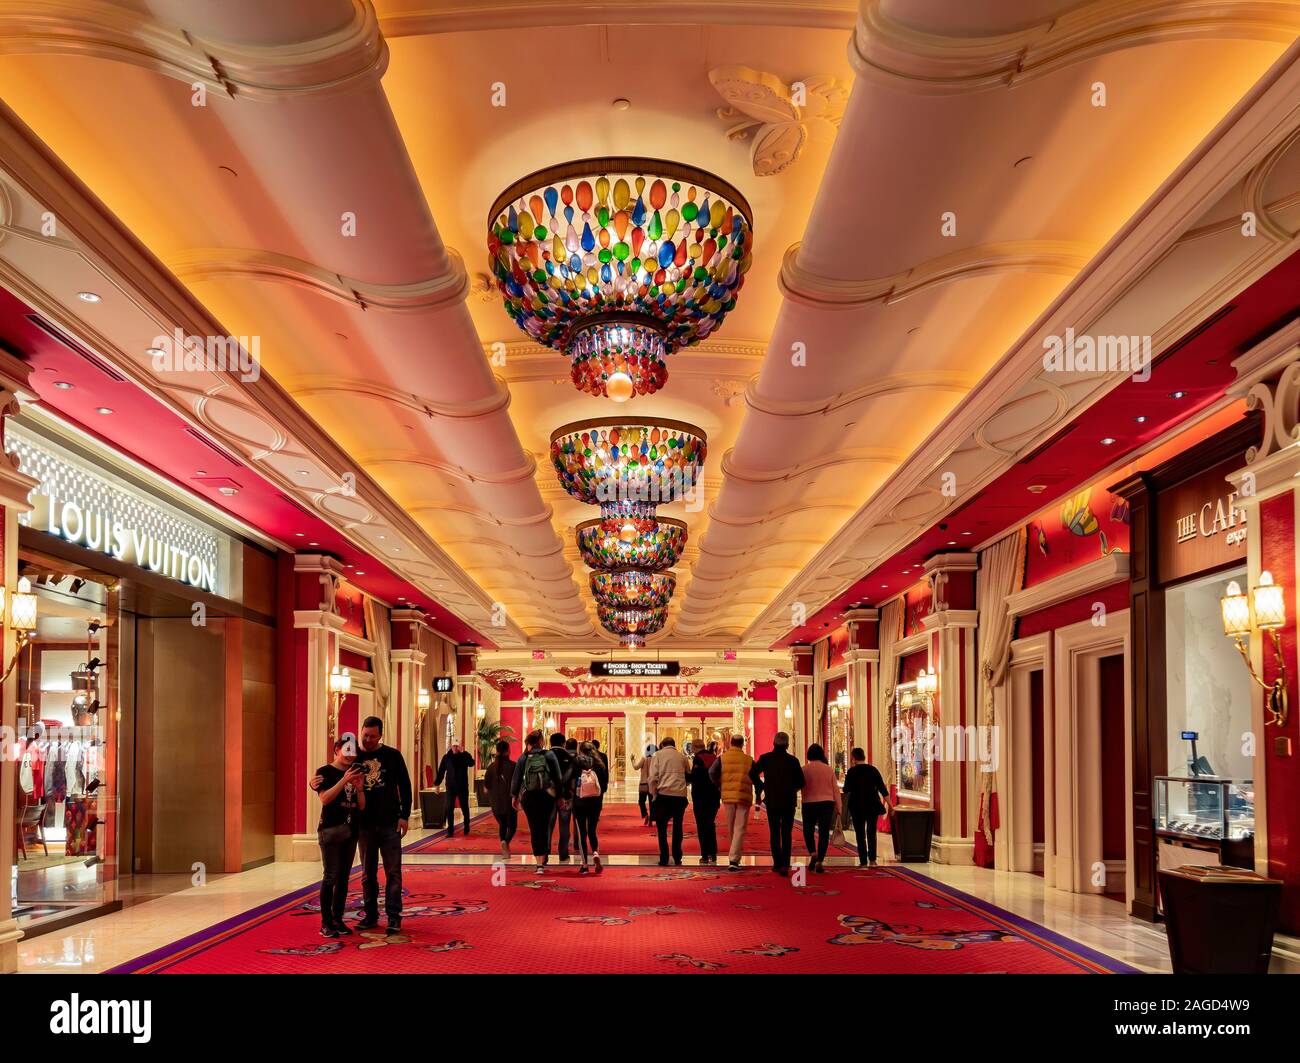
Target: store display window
{"points": [[911, 742]]}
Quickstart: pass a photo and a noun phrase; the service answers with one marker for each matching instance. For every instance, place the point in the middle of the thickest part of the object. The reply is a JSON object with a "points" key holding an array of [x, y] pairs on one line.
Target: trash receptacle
{"points": [[912, 830], [1220, 920], [433, 809]]}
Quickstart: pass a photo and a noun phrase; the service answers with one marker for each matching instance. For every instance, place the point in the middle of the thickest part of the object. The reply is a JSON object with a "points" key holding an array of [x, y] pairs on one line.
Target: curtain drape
{"points": [[891, 631], [821, 655], [379, 631], [1001, 573]]}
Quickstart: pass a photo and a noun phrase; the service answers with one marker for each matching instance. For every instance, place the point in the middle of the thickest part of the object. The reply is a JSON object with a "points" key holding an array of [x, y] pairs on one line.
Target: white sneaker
{"points": [[541, 869]]}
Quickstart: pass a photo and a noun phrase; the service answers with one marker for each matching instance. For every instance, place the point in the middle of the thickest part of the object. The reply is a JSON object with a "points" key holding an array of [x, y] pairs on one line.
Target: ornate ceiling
{"points": [[935, 187]]}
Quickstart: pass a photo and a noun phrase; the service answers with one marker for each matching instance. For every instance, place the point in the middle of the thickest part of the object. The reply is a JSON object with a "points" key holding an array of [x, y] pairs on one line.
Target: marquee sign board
{"points": [[635, 669]]}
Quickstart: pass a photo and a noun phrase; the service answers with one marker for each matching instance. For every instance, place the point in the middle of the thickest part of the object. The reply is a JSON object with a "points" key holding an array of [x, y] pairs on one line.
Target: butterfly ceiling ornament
{"points": [[780, 118]]}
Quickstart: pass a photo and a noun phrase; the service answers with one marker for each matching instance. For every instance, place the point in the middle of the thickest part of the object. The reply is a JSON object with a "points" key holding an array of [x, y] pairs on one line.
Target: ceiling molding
{"points": [[1055, 257], [934, 64], [411, 18], [860, 455], [338, 61], [951, 380], [413, 457], [771, 115], [254, 264], [1093, 576]]}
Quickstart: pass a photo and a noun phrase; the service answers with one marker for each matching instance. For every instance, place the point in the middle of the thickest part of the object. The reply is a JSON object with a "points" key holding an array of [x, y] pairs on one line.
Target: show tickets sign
{"points": [[642, 690], [635, 669]]}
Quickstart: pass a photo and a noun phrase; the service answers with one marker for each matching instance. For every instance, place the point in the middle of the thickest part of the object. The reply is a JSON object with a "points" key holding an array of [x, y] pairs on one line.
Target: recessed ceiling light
{"points": [[313, 544], [967, 533], [88, 297], [103, 409], [622, 104], [1141, 419], [1108, 441], [228, 491], [381, 538], [63, 385], [154, 352], [1037, 489], [1177, 394], [360, 573], [200, 472], [299, 534], [303, 472], [952, 542]]}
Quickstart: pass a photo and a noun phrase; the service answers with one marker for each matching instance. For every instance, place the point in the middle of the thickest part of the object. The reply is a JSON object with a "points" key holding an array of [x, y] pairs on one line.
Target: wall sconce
{"points": [[842, 701], [550, 723], [480, 712], [340, 686], [1268, 606], [927, 683], [789, 713], [423, 699], [21, 617]]}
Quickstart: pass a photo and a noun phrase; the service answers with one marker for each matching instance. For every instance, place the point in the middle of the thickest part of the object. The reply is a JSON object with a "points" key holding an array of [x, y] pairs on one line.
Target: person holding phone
{"points": [[341, 801]]}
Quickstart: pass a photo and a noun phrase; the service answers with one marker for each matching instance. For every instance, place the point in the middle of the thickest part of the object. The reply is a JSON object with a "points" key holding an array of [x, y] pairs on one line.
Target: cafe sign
{"points": [[1202, 526]]}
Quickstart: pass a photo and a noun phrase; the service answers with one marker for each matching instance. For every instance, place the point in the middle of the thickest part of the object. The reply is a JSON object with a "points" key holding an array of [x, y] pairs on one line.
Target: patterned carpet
{"points": [[620, 832], [640, 920]]}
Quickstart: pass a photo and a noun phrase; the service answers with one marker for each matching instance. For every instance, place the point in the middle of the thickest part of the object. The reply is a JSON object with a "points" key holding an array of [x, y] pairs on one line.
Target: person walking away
{"points": [[595, 745], [384, 821], [590, 777], [705, 801], [821, 806], [534, 786], [562, 813], [341, 800], [730, 774], [455, 767], [667, 784], [868, 800], [497, 779], [777, 779], [642, 764]]}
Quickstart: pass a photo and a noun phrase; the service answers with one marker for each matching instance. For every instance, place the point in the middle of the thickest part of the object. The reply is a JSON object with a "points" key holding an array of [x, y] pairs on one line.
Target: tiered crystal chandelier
{"points": [[629, 469], [619, 263]]}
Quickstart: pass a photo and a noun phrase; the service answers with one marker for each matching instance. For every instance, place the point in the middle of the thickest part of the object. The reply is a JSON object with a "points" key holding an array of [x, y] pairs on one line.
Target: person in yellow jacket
{"points": [[730, 774]]}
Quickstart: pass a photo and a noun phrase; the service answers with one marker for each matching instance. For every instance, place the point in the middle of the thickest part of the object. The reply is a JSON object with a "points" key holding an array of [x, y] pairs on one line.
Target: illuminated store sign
{"points": [[77, 502], [636, 690]]}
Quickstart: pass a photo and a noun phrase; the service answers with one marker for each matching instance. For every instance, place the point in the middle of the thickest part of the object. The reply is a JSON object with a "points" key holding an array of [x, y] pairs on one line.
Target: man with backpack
{"points": [[534, 787], [562, 813], [590, 779]]}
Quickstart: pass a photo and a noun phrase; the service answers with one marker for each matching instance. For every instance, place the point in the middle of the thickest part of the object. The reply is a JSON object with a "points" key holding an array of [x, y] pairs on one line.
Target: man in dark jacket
{"points": [[497, 779], [777, 779], [706, 799], [383, 824], [562, 813], [455, 768], [863, 790]]}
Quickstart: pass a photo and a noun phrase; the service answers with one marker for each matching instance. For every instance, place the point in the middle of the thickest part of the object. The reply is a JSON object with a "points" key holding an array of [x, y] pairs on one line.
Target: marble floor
{"points": [[160, 909]]}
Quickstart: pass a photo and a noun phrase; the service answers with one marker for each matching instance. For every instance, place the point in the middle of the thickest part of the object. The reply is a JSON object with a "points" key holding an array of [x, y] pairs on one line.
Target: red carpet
{"points": [[620, 832], [641, 920]]}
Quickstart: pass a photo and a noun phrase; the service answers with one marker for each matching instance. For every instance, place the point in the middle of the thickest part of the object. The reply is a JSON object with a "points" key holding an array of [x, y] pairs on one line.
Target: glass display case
{"points": [[1206, 812], [911, 740]]}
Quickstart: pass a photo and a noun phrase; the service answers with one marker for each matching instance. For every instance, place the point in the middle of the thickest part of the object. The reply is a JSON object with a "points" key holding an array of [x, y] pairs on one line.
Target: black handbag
{"points": [[335, 835]]}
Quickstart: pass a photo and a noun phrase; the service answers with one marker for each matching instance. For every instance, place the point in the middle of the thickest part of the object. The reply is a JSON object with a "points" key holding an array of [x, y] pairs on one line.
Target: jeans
{"points": [[336, 861], [669, 808], [564, 816], [586, 814], [737, 824], [818, 816], [780, 829], [455, 797], [865, 823], [706, 828], [507, 823], [374, 842], [538, 806]]}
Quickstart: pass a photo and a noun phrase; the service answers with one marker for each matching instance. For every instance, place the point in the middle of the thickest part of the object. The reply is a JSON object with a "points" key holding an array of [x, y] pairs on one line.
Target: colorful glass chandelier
{"points": [[619, 263], [651, 545], [633, 589], [634, 623], [646, 463]]}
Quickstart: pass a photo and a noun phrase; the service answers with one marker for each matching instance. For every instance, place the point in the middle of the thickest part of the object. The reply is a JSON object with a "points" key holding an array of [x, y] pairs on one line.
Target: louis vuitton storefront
{"points": [[145, 682]]}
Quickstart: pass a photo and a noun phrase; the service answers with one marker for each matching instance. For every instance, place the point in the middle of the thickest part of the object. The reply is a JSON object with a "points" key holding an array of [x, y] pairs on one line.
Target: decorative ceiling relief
{"points": [[779, 118]]}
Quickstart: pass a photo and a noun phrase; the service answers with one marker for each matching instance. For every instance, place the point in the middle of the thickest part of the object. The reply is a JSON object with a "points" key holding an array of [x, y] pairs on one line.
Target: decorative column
{"points": [[467, 693], [951, 624], [408, 673], [863, 657], [801, 701], [316, 628], [1268, 376], [14, 491]]}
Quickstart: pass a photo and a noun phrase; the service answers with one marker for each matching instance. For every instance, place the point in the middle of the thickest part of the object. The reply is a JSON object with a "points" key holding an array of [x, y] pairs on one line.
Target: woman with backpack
{"points": [[534, 787], [590, 778]]}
